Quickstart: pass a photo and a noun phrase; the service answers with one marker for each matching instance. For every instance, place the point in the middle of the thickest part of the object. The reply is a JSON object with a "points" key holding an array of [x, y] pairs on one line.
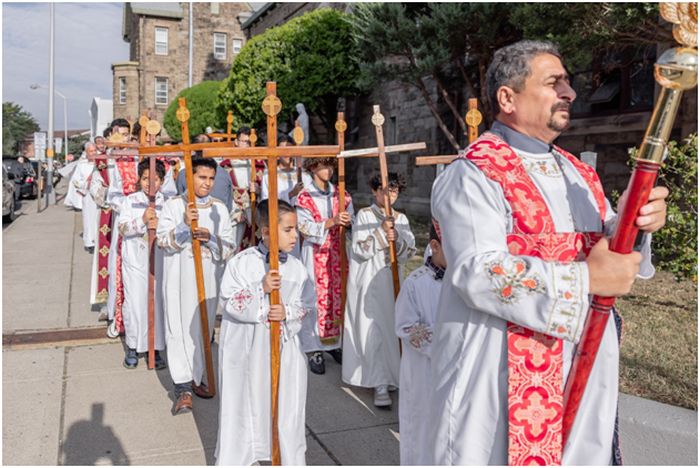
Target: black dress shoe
{"points": [[316, 363], [337, 355]]}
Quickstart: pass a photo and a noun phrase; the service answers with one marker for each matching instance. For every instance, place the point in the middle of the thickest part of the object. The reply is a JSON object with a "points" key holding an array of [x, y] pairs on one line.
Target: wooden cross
{"points": [[183, 115], [340, 127], [271, 106], [378, 121], [229, 135], [473, 119]]}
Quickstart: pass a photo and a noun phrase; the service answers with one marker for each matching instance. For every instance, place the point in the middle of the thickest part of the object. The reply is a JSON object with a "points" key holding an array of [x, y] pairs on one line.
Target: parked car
{"points": [[24, 176], [9, 199]]}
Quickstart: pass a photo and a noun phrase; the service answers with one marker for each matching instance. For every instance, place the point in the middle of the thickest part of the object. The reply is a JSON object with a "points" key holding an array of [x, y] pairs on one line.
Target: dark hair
{"points": [[106, 132], [309, 164], [243, 131], [202, 138], [396, 180], [283, 137], [146, 165], [119, 123], [262, 216], [511, 67], [198, 161]]}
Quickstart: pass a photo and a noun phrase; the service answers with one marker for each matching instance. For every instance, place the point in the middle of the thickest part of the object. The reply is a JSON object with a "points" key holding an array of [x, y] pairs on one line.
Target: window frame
{"points": [[224, 43], [122, 90], [165, 79], [161, 28], [233, 47]]}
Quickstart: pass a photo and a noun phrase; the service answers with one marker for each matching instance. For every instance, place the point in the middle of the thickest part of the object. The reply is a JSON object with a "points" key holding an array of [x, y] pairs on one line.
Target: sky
{"points": [[87, 41]]}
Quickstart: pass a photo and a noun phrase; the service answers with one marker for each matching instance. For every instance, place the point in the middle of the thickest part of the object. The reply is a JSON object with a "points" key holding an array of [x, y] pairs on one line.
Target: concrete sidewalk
{"points": [[77, 405]]}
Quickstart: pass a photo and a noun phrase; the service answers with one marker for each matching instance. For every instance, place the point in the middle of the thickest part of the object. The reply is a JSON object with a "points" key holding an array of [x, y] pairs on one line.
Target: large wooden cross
{"points": [[271, 106]]}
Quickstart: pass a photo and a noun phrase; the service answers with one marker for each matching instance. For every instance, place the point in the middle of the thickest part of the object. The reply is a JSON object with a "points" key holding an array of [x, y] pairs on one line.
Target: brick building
{"points": [[611, 115], [159, 39]]}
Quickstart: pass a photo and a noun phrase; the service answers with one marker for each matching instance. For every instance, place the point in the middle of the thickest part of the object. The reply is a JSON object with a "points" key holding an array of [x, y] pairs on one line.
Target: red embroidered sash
{"points": [[104, 240], [535, 374], [327, 271]]}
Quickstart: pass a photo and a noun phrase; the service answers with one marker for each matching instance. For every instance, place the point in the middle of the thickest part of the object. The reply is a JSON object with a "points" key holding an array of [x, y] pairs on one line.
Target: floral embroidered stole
{"points": [[535, 374]]}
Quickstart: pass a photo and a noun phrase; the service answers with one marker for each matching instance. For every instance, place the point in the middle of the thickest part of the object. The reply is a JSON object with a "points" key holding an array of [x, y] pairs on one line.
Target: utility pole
{"points": [[50, 194], [189, 76]]}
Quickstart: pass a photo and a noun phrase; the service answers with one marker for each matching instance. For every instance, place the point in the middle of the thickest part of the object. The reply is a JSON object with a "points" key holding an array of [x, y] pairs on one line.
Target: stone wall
{"points": [[280, 14]]}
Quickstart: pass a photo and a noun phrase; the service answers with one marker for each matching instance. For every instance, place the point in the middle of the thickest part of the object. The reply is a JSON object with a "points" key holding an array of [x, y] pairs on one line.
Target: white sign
{"points": [[57, 145], [590, 158], [40, 146]]}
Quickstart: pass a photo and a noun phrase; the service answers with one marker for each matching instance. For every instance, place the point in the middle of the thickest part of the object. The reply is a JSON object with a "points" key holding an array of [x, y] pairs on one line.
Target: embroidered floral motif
{"points": [[419, 334], [511, 282], [240, 300], [548, 168]]}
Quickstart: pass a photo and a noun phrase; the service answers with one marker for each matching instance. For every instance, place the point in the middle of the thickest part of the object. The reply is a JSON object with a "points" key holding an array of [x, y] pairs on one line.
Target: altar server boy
{"points": [[135, 218], [244, 348], [370, 348], [183, 333], [416, 310]]}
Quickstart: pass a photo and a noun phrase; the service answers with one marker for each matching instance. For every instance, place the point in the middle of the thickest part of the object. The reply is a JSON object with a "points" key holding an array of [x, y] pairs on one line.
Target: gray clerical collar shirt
{"points": [[519, 141]]}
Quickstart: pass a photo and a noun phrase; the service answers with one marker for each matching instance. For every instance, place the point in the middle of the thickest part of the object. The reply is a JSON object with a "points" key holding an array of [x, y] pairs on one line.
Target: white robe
{"points": [[73, 198], [80, 181], [416, 308], [469, 408], [135, 272], [244, 362], [315, 233], [370, 347], [115, 198], [183, 336]]}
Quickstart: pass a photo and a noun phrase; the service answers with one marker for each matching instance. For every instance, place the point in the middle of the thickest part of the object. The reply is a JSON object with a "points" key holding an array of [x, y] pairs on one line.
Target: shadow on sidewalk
{"points": [[205, 411], [89, 442]]}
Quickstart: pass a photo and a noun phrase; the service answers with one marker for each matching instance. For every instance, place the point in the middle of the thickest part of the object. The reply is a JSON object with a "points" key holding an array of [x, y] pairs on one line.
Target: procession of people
{"points": [[479, 340]]}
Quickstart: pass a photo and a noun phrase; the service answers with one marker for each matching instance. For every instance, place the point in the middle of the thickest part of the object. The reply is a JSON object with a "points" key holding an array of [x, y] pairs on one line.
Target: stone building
{"points": [[159, 39], [610, 116]]}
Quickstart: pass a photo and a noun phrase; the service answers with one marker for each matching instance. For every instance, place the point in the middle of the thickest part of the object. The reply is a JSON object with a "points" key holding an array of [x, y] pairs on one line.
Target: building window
{"points": [[237, 46], [161, 91], [122, 90], [214, 8], [220, 46], [161, 41]]}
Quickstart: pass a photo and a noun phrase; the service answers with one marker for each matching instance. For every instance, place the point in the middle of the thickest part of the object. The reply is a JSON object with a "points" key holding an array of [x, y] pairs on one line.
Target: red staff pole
{"points": [[675, 71]]}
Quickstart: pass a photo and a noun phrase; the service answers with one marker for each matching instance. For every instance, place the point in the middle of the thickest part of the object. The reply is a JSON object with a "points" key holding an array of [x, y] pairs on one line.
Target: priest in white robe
{"points": [[517, 216]]}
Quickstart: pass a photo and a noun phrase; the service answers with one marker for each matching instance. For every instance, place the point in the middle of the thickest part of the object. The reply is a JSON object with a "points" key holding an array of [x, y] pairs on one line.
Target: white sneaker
{"points": [[393, 388], [381, 396]]}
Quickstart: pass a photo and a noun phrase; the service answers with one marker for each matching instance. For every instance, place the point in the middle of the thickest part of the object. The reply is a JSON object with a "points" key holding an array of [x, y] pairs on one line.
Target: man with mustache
{"points": [[523, 225]]}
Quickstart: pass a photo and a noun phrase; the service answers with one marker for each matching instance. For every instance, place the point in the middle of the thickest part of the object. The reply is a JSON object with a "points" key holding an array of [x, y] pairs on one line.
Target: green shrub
{"points": [[201, 102], [310, 58], [675, 246]]}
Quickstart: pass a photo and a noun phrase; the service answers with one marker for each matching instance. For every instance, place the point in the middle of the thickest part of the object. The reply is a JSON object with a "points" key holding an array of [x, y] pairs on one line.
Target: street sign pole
{"points": [[50, 194]]}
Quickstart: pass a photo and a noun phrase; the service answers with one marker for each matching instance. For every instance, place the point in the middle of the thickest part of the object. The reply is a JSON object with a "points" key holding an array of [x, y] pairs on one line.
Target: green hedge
{"points": [[201, 101]]}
